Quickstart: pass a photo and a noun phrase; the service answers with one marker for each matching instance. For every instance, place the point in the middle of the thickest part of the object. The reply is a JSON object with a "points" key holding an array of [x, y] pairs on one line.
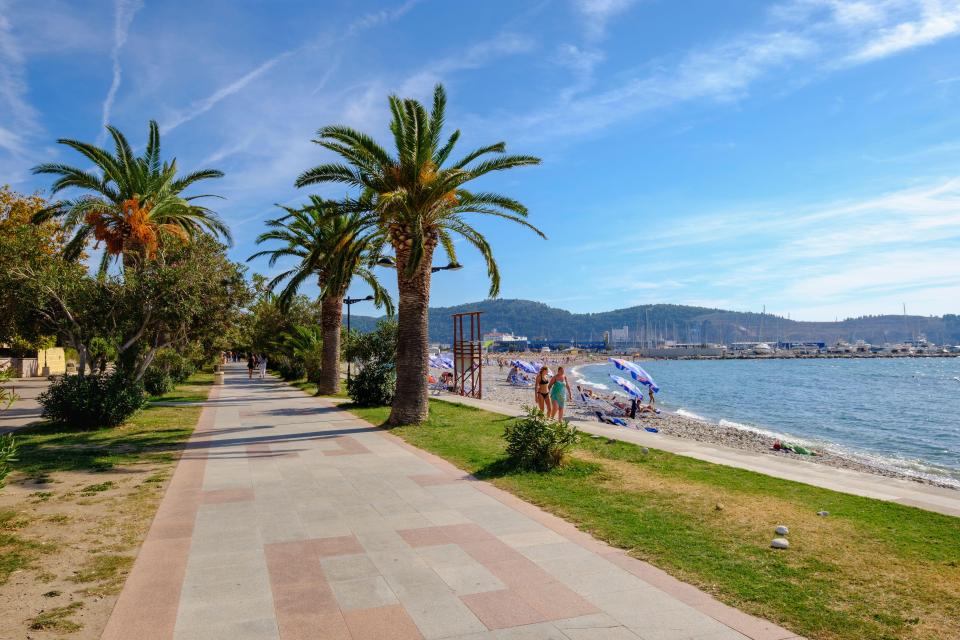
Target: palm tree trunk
{"points": [[331, 317], [410, 403]]}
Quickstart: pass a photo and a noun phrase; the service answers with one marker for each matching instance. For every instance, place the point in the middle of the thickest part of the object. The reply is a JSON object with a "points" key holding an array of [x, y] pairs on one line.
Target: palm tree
{"points": [[332, 246], [416, 198], [133, 203]]}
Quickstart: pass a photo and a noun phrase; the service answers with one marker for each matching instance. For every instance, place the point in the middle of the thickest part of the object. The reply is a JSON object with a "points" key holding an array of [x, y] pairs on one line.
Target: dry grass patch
{"points": [[67, 545]]}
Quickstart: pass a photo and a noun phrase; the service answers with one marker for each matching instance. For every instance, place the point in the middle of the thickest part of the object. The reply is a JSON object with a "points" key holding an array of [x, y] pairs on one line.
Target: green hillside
{"points": [[682, 323]]}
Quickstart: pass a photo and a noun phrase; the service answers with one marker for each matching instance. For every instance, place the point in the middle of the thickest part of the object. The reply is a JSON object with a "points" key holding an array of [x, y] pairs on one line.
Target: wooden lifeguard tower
{"points": [[467, 354]]}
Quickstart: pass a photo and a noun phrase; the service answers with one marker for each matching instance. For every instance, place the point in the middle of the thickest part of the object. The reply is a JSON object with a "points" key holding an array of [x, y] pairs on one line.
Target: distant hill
{"points": [[682, 323]]}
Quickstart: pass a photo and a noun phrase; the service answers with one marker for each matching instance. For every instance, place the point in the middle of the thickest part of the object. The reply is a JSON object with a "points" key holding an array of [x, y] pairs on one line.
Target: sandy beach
{"points": [[496, 389]]}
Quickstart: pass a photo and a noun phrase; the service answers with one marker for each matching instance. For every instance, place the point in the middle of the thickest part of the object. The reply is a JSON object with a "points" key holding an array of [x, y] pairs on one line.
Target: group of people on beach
{"points": [[256, 362], [634, 409], [552, 392]]}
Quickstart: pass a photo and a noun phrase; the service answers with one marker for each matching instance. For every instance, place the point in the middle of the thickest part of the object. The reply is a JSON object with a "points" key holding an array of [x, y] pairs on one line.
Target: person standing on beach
{"points": [[542, 391], [559, 393]]}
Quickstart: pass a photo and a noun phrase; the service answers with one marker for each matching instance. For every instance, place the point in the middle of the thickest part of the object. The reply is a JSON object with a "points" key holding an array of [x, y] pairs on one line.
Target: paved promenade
{"points": [[290, 518]]}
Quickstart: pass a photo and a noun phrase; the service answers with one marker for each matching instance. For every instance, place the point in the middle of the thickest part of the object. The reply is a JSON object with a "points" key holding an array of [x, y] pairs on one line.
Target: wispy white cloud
{"points": [[872, 252], [803, 40], [363, 23], [382, 17], [477, 55], [938, 19], [124, 12], [204, 105], [20, 119], [597, 13]]}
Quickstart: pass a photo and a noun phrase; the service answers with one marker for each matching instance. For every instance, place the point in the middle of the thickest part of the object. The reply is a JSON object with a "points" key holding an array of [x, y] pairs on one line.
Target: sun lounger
{"points": [[519, 382], [598, 404]]}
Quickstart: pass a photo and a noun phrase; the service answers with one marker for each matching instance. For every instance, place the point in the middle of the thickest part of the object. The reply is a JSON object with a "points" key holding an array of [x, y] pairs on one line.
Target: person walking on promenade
{"points": [[263, 367], [250, 366], [559, 393], [541, 391]]}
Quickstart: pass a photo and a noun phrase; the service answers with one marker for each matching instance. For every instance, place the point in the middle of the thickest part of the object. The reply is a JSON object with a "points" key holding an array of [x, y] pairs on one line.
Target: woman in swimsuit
{"points": [[559, 393], [542, 391]]}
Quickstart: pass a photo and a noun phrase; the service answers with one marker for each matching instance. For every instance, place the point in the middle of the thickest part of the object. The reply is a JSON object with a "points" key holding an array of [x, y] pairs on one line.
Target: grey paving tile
{"points": [[437, 612], [445, 555], [363, 593], [348, 567], [195, 615], [469, 578], [265, 629]]}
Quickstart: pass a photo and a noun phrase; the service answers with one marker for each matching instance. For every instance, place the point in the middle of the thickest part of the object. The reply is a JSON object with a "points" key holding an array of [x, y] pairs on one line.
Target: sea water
{"points": [[903, 413]]}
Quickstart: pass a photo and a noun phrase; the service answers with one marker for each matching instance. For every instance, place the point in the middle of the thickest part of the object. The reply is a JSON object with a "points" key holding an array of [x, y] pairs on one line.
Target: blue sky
{"points": [[802, 154]]}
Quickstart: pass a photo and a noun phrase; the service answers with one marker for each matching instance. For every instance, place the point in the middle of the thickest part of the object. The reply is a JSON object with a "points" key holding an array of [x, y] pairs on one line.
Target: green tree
{"points": [[332, 246], [418, 200], [133, 203], [189, 293]]}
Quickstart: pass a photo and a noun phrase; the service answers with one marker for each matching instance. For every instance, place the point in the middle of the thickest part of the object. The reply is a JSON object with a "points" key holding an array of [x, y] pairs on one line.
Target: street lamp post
{"points": [[350, 302], [453, 266]]}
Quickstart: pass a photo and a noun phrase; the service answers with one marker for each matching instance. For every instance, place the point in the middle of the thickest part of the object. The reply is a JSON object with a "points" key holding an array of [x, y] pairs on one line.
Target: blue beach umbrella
{"points": [[636, 372], [627, 386], [525, 366]]}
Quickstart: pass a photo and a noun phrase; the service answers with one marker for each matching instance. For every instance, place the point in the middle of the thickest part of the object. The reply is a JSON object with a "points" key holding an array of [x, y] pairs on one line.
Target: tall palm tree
{"points": [[332, 246], [416, 197], [133, 203]]}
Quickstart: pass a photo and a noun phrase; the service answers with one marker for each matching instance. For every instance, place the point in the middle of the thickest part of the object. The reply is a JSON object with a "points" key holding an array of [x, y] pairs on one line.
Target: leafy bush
{"points": [[92, 401], [374, 385], [167, 370], [156, 382], [313, 362], [537, 443], [8, 452], [375, 353], [177, 367], [289, 368]]}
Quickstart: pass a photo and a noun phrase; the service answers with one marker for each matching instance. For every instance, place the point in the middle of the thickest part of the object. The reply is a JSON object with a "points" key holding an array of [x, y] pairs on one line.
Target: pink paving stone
{"points": [[555, 601], [168, 529], [293, 563], [382, 623], [519, 574], [461, 533], [425, 537], [228, 495], [336, 546], [490, 551], [326, 626], [348, 447], [502, 609], [431, 479], [304, 599]]}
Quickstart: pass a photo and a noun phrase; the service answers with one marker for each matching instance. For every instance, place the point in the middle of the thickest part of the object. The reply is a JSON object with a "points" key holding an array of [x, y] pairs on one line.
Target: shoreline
{"points": [[496, 389]]}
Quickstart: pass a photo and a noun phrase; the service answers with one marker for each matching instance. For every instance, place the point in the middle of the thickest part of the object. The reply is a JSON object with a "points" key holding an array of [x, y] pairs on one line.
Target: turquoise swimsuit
{"points": [[558, 393]]}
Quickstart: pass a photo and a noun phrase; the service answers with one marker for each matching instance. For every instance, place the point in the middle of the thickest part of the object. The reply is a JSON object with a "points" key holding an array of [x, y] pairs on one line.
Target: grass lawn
{"points": [[76, 509], [871, 569]]}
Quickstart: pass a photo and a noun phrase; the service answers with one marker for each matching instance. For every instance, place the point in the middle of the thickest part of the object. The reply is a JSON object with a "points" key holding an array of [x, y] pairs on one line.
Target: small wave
{"points": [[586, 383], [764, 432], [690, 414]]}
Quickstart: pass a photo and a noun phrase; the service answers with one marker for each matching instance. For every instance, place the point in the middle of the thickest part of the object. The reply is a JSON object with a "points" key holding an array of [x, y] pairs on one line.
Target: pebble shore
{"points": [[496, 389]]}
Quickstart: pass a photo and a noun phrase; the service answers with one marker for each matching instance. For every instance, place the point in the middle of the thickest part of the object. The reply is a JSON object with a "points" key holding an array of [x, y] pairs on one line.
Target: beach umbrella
{"points": [[627, 386], [636, 372], [525, 366]]}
